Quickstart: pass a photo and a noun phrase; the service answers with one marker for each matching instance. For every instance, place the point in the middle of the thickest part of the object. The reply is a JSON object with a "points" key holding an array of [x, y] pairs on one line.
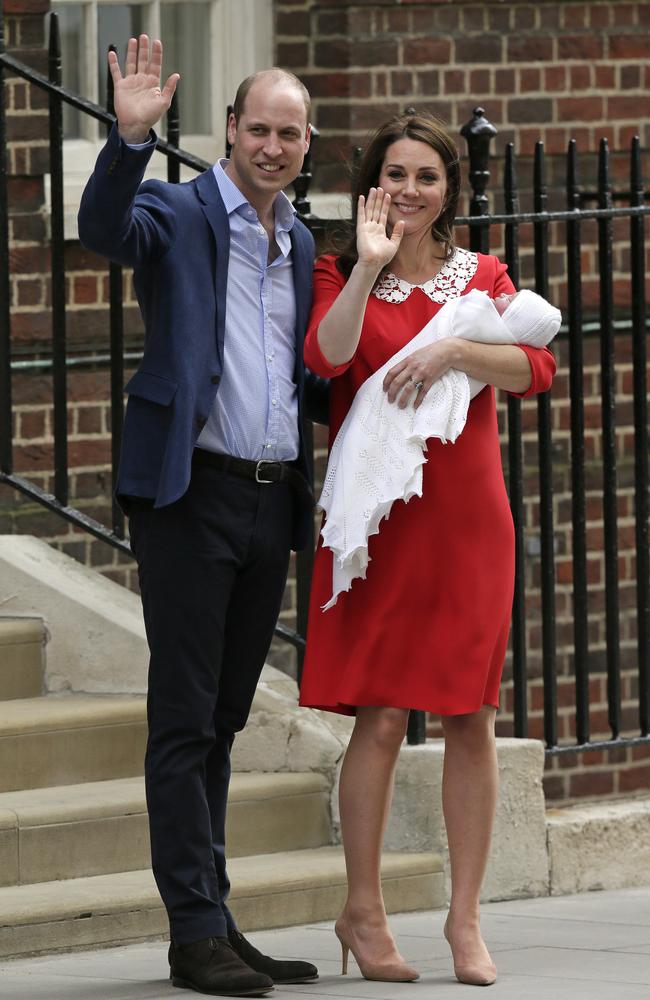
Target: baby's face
{"points": [[502, 302]]}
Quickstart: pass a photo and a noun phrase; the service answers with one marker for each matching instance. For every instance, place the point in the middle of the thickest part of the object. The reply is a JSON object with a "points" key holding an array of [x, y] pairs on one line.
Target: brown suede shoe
{"points": [[212, 966]]}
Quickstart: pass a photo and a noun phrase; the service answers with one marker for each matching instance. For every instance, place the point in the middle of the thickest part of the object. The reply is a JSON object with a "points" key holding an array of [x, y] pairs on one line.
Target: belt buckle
{"points": [[258, 476]]}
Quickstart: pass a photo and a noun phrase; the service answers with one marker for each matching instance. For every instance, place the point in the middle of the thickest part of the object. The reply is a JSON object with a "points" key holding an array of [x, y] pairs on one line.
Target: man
{"points": [[213, 470]]}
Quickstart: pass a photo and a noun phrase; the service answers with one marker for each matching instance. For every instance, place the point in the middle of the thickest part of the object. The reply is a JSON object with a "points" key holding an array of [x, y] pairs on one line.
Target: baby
{"points": [[530, 318], [503, 301]]}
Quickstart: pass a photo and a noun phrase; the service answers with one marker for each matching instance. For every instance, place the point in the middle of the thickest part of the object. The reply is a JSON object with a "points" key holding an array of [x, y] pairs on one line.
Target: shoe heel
{"points": [[344, 959]]}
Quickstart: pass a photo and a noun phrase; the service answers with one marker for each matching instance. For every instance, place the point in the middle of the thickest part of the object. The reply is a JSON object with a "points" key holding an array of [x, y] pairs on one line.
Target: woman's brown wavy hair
{"points": [[421, 127]]}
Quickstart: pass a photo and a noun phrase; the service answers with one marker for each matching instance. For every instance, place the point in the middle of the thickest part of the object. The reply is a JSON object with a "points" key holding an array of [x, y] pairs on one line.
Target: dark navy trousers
{"points": [[212, 569]]}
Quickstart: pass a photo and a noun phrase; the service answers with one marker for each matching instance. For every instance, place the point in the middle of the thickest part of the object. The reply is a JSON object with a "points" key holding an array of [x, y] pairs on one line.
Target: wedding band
{"points": [[418, 385]]}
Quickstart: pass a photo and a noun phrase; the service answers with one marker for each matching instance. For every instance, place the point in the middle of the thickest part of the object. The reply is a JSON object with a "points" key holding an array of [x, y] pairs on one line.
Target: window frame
{"points": [[241, 42]]}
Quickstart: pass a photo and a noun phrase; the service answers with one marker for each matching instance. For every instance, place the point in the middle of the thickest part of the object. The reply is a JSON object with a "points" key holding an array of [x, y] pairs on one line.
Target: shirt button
{"points": [[267, 445], [275, 402], [260, 230], [216, 379]]}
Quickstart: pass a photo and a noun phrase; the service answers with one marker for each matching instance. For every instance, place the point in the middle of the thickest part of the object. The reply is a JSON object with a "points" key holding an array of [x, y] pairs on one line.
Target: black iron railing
{"points": [[478, 134]]}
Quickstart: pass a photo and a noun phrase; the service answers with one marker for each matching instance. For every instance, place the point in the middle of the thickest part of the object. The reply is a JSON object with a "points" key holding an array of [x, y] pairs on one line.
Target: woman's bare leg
{"points": [[469, 796], [365, 794]]}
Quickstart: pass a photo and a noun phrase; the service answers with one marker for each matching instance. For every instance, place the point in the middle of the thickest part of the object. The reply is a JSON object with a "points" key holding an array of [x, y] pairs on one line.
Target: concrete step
{"points": [[64, 740], [22, 657], [599, 845], [101, 827], [269, 890]]}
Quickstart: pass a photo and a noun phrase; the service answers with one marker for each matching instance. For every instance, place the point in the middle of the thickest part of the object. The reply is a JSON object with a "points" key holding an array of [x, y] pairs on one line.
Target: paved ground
{"points": [[590, 947]]}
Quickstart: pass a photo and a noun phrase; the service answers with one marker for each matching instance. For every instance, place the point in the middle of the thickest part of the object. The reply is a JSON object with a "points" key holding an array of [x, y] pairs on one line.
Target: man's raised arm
{"points": [[111, 221]]}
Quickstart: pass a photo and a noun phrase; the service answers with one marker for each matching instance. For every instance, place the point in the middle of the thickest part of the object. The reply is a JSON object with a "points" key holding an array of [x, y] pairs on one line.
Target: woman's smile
{"points": [[405, 208]]}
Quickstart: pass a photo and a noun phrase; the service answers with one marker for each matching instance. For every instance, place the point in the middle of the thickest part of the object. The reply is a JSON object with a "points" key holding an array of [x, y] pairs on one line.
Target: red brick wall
{"points": [[89, 460], [548, 70], [27, 162], [362, 61]]}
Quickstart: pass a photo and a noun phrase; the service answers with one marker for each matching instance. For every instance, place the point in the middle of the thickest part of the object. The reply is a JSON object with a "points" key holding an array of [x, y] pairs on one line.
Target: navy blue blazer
{"points": [[176, 237]]}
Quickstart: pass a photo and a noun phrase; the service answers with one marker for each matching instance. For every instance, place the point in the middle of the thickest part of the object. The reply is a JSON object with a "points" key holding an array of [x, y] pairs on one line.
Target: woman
{"points": [[428, 627]]}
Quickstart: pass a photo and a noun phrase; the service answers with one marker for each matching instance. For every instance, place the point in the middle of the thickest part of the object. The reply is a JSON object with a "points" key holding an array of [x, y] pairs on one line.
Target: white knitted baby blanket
{"points": [[378, 453]]}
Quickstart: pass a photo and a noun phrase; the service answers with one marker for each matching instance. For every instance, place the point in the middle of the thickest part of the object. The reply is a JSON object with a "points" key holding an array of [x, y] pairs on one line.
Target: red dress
{"points": [[428, 627]]}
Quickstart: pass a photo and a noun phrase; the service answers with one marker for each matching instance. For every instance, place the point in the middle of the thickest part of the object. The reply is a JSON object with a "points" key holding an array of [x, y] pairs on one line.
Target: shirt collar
{"points": [[233, 199]]}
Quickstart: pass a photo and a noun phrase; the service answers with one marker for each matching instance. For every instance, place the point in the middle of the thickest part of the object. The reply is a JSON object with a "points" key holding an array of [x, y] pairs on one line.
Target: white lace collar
{"points": [[449, 283]]}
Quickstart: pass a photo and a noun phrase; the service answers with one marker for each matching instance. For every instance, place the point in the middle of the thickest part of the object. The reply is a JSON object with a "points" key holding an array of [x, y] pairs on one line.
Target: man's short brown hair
{"points": [[275, 75]]}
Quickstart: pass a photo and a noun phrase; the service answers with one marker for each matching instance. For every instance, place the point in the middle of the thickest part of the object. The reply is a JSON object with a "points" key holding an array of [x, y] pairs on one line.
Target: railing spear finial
{"points": [[478, 133]]}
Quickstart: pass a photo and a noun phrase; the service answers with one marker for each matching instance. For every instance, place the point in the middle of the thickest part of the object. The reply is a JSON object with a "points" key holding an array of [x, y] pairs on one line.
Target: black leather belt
{"points": [[264, 472]]}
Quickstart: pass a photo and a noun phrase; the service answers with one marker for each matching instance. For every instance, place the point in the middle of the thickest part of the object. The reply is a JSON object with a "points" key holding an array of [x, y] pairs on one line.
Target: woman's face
{"points": [[414, 176]]}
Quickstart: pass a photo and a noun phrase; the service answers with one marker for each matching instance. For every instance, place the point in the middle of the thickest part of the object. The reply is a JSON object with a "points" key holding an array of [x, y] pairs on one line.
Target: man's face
{"points": [[269, 142]]}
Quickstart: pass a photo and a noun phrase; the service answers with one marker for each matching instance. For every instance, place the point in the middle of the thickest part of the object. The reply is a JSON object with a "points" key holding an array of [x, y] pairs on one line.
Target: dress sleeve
{"points": [[502, 283], [542, 361], [328, 282], [542, 369]]}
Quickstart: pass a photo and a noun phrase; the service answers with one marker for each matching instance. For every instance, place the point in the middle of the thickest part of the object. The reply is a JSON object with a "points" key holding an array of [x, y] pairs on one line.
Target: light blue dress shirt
{"points": [[255, 413]]}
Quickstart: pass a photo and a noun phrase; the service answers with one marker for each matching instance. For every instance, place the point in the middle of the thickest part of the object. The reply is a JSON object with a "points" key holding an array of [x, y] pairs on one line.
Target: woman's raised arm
{"points": [[340, 329]]}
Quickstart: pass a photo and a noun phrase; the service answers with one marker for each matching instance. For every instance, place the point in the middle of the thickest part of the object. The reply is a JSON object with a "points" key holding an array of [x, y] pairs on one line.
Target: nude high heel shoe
{"points": [[478, 975], [388, 972]]}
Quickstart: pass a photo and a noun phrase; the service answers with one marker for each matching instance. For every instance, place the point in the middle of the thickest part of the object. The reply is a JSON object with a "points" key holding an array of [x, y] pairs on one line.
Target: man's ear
{"points": [[307, 136], [232, 129]]}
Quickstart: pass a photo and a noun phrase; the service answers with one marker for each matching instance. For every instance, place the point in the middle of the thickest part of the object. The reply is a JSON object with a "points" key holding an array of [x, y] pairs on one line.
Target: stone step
{"points": [[269, 890], [65, 740], [22, 657], [101, 827], [599, 845]]}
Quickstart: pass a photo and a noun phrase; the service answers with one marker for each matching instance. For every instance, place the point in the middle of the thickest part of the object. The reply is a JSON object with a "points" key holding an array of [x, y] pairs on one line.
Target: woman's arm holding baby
{"points": [[516, 368], [505, 366]]}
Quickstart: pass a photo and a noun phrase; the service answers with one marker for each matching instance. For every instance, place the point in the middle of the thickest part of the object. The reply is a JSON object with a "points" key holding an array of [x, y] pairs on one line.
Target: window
{"points": [[213, 44]]}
